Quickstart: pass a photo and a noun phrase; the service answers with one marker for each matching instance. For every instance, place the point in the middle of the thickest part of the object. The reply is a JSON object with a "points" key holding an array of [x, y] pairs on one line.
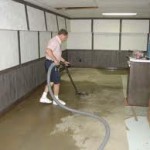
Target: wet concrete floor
{"points": [[35, 126]]}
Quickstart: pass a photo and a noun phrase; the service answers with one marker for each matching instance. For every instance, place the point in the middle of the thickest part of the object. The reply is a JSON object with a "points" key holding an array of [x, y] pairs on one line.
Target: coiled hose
{"points": [[100, 119]]}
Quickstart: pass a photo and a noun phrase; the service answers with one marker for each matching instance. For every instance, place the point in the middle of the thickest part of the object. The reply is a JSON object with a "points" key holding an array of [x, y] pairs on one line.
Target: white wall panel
{"points": [[44, 38], [51, 22], [61, 23], [12, 15], [36, 19], [80, 25], [29, 46], [54, 34], [135, 26], [68, 25], [134, 42], [107, 26], [9, 55], [79, 41], [106, 41]]}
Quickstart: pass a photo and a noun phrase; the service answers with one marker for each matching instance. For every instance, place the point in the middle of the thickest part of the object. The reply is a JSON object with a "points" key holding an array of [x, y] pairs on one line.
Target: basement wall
{"points": [[24, 32]]}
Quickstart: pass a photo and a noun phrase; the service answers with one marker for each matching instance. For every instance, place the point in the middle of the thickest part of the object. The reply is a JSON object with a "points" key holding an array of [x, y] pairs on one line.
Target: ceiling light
{"points": [[119, 14]]}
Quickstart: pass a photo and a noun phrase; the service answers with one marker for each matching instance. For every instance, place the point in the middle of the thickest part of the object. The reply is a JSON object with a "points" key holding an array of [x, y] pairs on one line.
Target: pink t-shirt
{"points": [[54, 45]]}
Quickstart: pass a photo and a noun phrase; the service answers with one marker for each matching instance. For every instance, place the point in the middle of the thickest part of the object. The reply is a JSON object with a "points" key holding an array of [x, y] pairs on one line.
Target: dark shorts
{"points": [[55, 75]]}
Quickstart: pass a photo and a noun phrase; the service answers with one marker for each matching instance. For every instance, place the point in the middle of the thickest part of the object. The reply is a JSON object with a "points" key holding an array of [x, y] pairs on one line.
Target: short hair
{"points": [[62, 31]]}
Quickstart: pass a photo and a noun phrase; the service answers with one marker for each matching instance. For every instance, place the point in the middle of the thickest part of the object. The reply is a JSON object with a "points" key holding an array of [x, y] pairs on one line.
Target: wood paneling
{"points": [[98, 58], [16, 83], [80, 58]]}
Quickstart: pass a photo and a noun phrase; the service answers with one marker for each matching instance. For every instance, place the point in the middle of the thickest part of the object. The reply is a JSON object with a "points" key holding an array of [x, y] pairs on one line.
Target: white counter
{"points": [[139, 60]]}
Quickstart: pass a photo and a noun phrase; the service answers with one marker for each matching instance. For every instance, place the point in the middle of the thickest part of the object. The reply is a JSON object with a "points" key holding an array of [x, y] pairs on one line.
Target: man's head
{"points": [[63, 34]]}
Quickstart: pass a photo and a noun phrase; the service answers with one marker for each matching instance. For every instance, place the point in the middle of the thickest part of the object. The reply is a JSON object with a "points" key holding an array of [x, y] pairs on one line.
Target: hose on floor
{"points": [[100, 119]]}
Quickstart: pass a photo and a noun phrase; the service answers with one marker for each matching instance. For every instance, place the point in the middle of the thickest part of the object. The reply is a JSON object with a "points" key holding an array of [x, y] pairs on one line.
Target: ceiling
{"points": [[141, 7]]}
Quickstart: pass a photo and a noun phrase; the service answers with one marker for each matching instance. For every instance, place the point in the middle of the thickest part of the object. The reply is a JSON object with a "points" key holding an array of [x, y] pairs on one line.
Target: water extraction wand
{"points": [[87, 114], [77, 92]]}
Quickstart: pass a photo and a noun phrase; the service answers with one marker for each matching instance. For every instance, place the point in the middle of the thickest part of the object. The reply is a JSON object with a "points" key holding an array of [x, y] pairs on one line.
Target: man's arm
{"points": [[64, 61], [51, 55]]}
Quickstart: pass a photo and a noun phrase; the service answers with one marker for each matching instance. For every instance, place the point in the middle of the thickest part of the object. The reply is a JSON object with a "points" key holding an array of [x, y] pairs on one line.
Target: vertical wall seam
{"points": [[120, 35], [92, 31], [45, 21], [39, 54], [51, 34], [66, 23], [27, 17], [19, 47], [57, 23]]}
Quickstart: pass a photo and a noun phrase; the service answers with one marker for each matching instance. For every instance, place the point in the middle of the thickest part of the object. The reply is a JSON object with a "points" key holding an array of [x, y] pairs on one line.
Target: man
{"points": [[53, 54]]}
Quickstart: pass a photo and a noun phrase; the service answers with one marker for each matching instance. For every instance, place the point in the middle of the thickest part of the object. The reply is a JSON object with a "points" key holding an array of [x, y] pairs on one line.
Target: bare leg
{"points": [[46, 87], [56, 89]]}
